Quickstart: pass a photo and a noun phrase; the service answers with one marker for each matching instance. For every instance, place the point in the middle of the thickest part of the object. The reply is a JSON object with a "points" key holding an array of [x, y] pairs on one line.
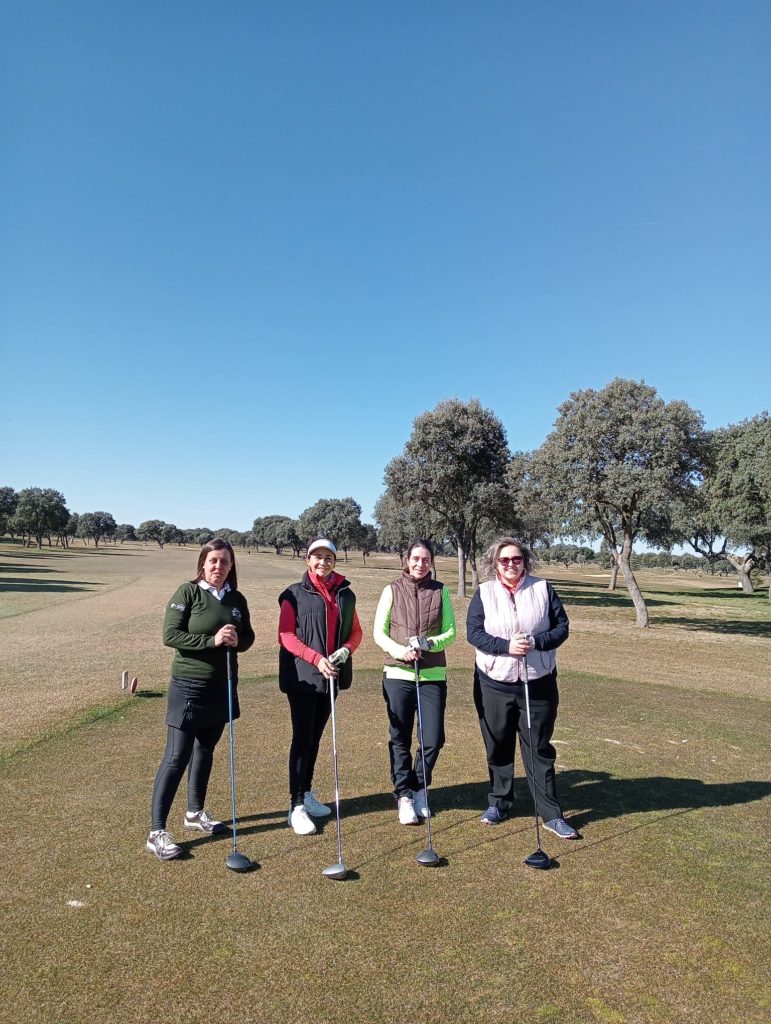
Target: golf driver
{"points": [[428, 858], [539, 859], [336, 871], [235, 861]]}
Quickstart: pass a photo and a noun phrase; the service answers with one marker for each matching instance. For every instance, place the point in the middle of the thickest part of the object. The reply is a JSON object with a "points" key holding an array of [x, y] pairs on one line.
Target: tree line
{"points": [[620, 466]]}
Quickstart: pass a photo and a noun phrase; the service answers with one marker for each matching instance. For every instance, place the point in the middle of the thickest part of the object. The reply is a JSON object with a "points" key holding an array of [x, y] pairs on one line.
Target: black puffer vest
{"points": [[417, 611], [296, 675]]}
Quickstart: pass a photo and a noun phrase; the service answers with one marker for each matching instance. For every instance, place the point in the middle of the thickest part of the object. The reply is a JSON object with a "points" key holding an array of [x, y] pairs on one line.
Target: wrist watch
{"points": [[531, 641]]}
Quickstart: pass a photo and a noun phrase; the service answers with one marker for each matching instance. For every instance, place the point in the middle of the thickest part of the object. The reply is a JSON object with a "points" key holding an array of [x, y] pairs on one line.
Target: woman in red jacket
{"points": [[317, 618]]}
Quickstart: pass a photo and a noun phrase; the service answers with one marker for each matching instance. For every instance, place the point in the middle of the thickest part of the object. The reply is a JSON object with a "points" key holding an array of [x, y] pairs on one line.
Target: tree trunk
{"points": [[461, 572], [635, 593], [613, 575], [744, 568]]}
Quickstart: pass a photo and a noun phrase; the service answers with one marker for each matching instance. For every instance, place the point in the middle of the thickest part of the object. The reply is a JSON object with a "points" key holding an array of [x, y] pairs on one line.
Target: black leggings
{"points": [[401, 699], [182, 749], [310, 714]]}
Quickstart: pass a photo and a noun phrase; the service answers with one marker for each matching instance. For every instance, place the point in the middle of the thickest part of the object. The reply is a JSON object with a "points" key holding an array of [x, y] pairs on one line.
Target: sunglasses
{"points": [[515, 560]]}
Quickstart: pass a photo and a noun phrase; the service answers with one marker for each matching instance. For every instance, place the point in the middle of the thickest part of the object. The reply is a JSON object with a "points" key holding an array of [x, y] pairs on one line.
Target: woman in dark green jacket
{"points": [[204, 619]]}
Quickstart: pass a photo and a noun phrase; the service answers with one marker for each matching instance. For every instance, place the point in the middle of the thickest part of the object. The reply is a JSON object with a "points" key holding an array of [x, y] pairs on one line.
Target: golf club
{"points": [[538, 859], [428, 858], [235, 861], [338, 871]]}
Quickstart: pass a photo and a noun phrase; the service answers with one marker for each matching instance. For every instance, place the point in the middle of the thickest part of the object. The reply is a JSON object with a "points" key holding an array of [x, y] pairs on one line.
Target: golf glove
{"points": [[420, 643], [339, 657]]}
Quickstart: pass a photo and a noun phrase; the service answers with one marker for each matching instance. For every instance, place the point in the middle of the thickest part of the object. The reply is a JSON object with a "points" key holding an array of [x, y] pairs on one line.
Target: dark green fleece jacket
{"points": [[192, 618]]}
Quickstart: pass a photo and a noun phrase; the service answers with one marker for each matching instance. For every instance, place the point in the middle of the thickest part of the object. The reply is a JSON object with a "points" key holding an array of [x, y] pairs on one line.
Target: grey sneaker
{"points": [[162, 845], [561, 828], [203, 822], [315, 807], [493, 816], [420, 803]]}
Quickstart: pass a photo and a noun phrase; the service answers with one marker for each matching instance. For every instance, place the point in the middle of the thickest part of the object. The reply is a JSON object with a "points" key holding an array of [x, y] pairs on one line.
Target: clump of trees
{"points": [[620, 466], [450, 481]]}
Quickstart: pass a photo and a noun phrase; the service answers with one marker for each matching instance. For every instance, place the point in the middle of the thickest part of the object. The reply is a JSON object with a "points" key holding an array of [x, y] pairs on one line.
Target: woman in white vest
{"points": [[516, 622]]}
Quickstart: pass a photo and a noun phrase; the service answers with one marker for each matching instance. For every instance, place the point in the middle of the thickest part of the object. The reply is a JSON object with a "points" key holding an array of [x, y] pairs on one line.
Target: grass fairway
{"points": [[660, 913]]}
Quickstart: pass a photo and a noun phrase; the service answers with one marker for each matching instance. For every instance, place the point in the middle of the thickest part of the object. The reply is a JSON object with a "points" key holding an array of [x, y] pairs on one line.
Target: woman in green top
{"points": [[415, 605], [204, 619]]}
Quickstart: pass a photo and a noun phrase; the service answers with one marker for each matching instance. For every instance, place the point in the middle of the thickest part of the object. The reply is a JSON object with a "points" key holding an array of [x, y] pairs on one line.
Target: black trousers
{"points": [[402, 703], [502, 717], [310, 714], [193, 749]]}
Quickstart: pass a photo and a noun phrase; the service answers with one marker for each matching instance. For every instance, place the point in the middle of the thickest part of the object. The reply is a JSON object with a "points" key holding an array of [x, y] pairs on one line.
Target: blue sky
{"points": [[245, 244]]}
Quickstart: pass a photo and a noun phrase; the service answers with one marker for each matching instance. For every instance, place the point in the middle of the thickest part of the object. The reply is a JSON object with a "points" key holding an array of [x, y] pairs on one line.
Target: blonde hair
{"points": [[489, 561]]}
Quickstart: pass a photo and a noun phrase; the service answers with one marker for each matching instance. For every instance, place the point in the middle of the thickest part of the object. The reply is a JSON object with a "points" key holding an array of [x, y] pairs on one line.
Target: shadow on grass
{"points": [[603, 599], [34, 586], [738, 627], [26, 568], [609, 797]]}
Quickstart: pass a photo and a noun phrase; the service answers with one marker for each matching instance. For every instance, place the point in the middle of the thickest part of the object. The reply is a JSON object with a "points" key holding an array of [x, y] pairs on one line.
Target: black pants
{"points": [[502, 717], [401, 701], [310, 714], [183, 749]]}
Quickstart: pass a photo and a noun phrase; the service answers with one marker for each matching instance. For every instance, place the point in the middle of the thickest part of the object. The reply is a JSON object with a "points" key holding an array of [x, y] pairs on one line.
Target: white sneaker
{"points": [[162, 845], [420, 803], [314, 806], [203, 822], [407, 815], [300, 822]]}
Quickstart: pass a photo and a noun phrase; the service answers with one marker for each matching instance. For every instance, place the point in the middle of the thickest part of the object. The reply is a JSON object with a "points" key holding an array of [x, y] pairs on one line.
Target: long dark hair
{"points": [[218, 544], [419, 542]]}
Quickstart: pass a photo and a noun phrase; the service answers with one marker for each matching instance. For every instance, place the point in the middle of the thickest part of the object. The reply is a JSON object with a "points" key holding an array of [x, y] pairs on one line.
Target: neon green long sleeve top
{"points": [[382, 635]]}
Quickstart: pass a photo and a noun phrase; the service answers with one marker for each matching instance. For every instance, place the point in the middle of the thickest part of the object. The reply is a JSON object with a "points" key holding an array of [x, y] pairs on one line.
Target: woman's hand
{"points": [[227, 635], [327, 669], [410, 654], [519, 645]]}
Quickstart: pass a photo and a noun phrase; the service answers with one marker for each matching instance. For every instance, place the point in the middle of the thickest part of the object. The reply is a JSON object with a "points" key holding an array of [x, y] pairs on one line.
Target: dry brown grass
{"points": [[660, 914], [74, 620]]}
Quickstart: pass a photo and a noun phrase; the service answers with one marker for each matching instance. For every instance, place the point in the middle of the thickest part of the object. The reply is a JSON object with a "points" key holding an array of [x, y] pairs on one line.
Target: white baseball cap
{"points": [[322, 542]]}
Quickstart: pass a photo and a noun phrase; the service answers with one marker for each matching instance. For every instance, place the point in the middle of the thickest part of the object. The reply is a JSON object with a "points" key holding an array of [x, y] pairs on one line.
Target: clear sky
{"points": [[244, 244]]}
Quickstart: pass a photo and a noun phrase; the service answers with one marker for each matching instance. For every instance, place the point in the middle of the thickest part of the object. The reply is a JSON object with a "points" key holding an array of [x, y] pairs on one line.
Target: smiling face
{"points": [[511, 563], [419, 562], [321, 562], [216, 567]]}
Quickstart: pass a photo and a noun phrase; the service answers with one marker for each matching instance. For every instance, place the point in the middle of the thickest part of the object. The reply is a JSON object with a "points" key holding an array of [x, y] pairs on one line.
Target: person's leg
{"points": [[401, 704], [200, 766], [433, 701], [179, 748], [498, 723], [303, 708], [321, 713], [539, 762]]}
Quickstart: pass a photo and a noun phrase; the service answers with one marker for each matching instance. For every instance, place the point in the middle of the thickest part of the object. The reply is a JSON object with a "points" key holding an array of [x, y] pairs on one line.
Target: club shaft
{"points": [[422, 749], [232, 757], [333, 701], [529, 768]]}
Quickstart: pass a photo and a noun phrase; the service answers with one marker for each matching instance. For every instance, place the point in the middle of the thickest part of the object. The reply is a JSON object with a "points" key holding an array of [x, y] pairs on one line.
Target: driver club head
{"points": [[539, 859], [428, 858], [238, 862], [337, 872]]}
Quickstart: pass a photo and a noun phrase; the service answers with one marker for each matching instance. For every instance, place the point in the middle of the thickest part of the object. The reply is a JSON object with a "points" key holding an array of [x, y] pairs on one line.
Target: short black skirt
{"points": [[194, 704]]}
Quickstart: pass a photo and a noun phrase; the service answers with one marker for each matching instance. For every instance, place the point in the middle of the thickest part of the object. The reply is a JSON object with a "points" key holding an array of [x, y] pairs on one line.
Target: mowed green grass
{"points": [[660, 913]]}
